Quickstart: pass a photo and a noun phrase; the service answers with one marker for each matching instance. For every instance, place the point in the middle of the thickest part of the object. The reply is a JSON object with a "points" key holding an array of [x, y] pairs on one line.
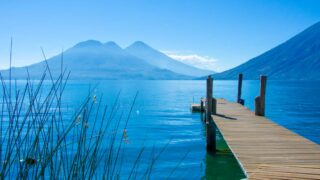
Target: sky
{"points": [[213, 34]]}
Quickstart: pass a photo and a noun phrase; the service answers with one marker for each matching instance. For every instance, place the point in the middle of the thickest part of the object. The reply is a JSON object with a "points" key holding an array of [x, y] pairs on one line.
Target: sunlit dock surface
{"points": [[265, 149]]}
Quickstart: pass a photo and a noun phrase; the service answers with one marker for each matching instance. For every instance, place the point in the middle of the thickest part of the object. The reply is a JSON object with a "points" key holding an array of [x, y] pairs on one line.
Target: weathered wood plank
{"points": [[265, 149]]}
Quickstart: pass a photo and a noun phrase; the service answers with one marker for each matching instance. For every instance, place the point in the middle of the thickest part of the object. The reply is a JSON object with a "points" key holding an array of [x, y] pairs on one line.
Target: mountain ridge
{"points": [[92, 59], [161, 60], [298, 58]]}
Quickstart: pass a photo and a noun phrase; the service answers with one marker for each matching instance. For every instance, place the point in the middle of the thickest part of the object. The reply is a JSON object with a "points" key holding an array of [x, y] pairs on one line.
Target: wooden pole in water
{"points": [[202, 110], [209, 98], [239, 100], [201, 105], [210, 126], [260, 100], [263, 85], [214, 106]]}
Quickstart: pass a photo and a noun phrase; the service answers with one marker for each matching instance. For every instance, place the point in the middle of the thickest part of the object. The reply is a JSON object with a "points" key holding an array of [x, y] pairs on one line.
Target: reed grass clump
{"points": [[38, 139]]}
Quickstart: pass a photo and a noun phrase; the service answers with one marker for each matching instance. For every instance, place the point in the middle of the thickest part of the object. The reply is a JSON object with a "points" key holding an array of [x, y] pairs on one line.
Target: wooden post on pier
{"points": [[210, 126], [214, 105], [211, 102], [239, 100], [201, 105], [202, 109], [209, 98], [260, 100]]}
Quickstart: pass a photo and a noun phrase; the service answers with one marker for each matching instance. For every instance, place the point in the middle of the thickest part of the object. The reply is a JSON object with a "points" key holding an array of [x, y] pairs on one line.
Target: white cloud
{"points": [[196, 60]]}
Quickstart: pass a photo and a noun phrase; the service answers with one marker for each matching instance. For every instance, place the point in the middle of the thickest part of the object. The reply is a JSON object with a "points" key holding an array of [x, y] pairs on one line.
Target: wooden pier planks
{"points": [[265, 149]]}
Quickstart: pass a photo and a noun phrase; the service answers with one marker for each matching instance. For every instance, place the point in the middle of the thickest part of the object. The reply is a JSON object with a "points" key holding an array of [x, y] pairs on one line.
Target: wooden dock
{"points": [[264, 149], [199, 107]]}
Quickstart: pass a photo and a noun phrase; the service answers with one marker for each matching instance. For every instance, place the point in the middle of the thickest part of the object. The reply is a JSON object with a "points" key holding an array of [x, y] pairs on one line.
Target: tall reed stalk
{"points": [[38, 140]]}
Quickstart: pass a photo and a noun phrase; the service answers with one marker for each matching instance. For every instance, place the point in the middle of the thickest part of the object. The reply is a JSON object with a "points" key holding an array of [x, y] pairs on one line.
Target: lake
{"points": [[162, 115], [160, 119]]}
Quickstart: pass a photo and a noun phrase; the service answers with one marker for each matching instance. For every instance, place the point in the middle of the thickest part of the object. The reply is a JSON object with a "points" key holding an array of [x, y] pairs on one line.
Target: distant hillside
{"points": [[296, 59], [95, 60], [160, 60]]}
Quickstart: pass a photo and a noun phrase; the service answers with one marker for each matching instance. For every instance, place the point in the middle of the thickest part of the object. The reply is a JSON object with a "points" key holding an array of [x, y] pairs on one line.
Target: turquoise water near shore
{"points": [[161, 116]]}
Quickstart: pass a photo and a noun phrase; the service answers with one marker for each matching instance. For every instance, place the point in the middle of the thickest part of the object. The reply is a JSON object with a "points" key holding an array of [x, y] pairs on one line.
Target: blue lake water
{"points": [[161, 116]]}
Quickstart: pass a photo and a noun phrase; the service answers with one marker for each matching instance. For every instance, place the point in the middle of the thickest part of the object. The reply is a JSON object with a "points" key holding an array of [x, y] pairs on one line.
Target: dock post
{"points": [[209, 98], [211, 136], [260, 100], [214, 105], [239, 100], [210, 126], [201, 105]]}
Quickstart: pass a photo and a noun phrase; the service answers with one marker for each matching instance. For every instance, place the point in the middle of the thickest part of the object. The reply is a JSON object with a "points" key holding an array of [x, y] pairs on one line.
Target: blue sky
{"points": [[219, 34]]}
